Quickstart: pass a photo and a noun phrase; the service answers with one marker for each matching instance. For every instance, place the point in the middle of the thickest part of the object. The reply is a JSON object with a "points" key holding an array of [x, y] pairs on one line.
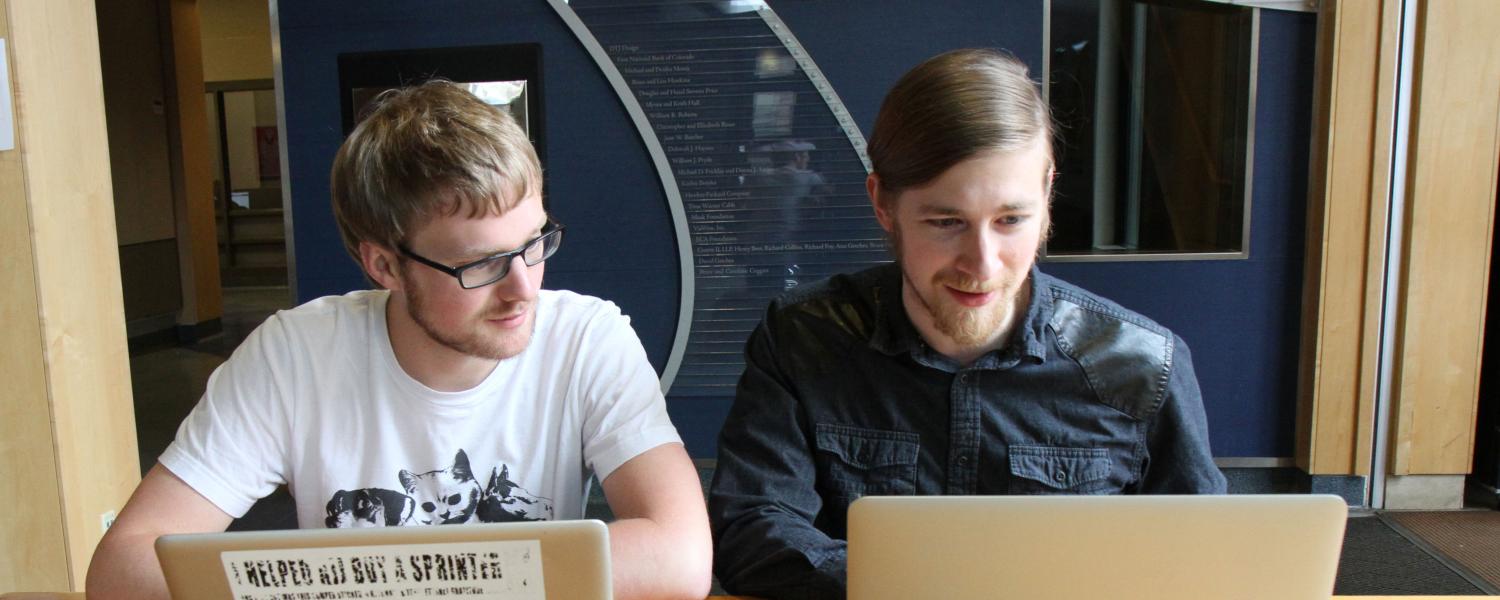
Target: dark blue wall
{"points": [[600, 181], [1240, 317], [861, 67]]}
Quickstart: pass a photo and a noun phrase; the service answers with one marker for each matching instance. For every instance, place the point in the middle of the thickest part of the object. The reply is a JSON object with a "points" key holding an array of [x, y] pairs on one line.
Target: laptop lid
{"points": [[513, 561], [1092, 547]]}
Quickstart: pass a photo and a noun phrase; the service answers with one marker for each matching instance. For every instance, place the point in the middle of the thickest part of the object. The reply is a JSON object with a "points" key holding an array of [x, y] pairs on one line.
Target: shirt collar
{"points": [[895, 334], [1033, 337]]}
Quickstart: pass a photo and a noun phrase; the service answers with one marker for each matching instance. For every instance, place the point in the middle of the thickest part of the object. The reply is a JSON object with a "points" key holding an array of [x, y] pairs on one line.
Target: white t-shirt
{"points": [[315, 399]]}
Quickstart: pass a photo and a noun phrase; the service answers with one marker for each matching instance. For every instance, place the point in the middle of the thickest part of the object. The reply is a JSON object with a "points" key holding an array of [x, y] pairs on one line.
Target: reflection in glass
{"points": [[773, 114], [510, 95], [774, 62], [770, 181], [1153, 102]]}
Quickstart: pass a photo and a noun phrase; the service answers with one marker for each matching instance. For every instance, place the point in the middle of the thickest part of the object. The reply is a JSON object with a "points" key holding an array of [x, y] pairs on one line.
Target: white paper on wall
{"points": [[7, 120]]}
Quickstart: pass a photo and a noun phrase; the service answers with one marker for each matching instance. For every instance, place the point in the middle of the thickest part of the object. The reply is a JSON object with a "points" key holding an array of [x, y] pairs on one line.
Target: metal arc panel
{"points": [[762, 166]]}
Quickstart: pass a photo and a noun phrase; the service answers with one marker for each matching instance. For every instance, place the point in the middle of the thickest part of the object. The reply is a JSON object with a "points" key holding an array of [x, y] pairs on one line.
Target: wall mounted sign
{"points": [[762, 165]]}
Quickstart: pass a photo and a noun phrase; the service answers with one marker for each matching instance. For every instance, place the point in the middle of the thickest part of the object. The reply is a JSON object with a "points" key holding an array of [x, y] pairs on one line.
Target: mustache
{"points": [[967, 284], [508, 310]]}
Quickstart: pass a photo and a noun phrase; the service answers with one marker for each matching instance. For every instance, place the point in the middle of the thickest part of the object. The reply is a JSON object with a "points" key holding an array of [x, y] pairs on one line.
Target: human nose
{"points": [[979, 256], [516, 285]]}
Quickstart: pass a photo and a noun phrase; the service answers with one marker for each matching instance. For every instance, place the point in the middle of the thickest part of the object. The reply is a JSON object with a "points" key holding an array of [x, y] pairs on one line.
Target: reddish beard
{"points": [[968, 327]]}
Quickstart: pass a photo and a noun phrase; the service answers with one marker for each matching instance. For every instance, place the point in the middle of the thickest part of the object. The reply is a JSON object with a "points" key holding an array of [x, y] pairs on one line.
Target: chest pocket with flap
{"points": [[1058, 470], [856, 461]]}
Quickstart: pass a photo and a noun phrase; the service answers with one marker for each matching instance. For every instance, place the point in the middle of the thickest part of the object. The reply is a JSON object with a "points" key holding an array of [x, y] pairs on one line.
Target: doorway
{"points": [[247, 183]]}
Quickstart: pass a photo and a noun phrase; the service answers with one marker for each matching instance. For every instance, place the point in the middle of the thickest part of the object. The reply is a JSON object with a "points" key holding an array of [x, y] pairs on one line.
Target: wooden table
{"points": [[75, 596]]}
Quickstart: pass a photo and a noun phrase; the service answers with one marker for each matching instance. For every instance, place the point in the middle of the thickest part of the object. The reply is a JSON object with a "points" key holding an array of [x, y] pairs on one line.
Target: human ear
{"points": [[380, 265], [882, 201]]}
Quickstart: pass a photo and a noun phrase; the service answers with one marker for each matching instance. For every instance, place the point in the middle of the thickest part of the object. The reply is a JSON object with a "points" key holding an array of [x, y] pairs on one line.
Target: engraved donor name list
{"points": [[769, 166]]}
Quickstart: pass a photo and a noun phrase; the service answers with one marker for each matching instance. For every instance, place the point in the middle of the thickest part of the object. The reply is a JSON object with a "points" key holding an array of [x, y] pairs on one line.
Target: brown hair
{"points": [[953, 107], [427, 150]]}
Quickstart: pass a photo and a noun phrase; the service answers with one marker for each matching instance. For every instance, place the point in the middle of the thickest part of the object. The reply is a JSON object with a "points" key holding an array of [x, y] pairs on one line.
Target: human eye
{"points": [[487, 268], [1013, 220], [534, 250], [944, 223]]}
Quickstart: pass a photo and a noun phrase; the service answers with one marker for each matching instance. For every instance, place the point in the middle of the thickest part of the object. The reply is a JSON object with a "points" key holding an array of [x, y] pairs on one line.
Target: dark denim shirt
{"points": [[841, 398]]}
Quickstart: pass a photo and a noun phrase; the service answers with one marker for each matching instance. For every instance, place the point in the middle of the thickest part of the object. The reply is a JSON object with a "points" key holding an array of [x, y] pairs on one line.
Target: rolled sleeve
{"points": [[231, 447], [626, 413]]}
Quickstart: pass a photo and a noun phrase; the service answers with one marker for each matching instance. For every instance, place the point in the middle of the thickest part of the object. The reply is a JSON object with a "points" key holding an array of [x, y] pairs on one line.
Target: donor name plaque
{"points": [[509, 570], [761, 161]]}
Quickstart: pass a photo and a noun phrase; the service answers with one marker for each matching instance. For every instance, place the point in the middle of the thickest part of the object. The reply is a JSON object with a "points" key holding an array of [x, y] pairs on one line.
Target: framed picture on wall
{"points": [[508, 76], [267, 152]]}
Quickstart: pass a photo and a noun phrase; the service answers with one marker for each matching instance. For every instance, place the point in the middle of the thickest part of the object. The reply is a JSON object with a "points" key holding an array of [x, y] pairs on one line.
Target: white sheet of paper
{"points": [[7, 122], [509, 570]]}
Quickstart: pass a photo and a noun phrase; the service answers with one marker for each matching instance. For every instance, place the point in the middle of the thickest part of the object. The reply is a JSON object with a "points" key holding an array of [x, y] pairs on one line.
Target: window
{"points": [[1154, 101], [508, 76]]}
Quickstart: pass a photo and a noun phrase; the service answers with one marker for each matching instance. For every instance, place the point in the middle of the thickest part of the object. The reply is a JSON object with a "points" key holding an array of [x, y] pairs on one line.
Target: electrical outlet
{"points": [[106, 520]]}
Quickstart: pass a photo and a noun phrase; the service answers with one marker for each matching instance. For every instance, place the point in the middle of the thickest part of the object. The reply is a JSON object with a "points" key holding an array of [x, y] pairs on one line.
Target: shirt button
{"points": [[963, 460], [1059, 476]]}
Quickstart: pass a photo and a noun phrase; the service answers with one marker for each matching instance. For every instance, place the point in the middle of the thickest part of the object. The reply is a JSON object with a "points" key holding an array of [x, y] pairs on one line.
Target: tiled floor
{"points": [[167, 382]]}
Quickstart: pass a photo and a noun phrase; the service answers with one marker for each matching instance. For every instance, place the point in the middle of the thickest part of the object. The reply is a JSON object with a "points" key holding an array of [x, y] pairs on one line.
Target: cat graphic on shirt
{"points": [[445, 496], [369, 507], [505, 500]]}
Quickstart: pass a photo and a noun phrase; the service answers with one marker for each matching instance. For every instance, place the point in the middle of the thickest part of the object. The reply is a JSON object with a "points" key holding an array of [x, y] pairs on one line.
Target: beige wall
{"points": [[135, 106], [236, 39], [244, 111]]}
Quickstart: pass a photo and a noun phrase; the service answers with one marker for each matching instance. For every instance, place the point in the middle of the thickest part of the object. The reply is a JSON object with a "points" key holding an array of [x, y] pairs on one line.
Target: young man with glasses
{"points": [[460, 392]]}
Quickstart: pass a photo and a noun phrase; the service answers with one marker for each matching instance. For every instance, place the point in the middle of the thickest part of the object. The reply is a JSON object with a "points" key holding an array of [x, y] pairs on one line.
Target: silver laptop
{"points": [[511, 561], [1091, 547]]}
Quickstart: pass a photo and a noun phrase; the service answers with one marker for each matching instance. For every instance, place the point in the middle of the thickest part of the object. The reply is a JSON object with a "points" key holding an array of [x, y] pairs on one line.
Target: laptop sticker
{"points": [[507, 570]]}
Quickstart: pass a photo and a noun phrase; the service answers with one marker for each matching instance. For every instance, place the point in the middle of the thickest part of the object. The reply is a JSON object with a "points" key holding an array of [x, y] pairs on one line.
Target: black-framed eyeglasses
{"points": [[495, 267]]}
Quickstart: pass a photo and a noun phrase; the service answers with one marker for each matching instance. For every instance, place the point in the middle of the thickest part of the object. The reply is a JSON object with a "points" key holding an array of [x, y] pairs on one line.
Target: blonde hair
{"points": [[953, 107], [423, 151]]}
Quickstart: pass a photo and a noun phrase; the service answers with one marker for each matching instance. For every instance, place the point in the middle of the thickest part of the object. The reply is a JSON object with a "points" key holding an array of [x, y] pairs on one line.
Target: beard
{"points": [[473, 337], [970, 327]]}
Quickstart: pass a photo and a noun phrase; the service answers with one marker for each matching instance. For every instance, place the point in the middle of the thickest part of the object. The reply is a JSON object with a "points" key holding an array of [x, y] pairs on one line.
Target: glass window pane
{"points": [[1153, 102]]}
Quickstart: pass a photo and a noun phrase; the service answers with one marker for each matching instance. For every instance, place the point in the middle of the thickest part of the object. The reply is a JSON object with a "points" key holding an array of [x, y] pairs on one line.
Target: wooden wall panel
{"points": [[1450, 212], [75, 286], [1348, 190], [33, 556]]}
